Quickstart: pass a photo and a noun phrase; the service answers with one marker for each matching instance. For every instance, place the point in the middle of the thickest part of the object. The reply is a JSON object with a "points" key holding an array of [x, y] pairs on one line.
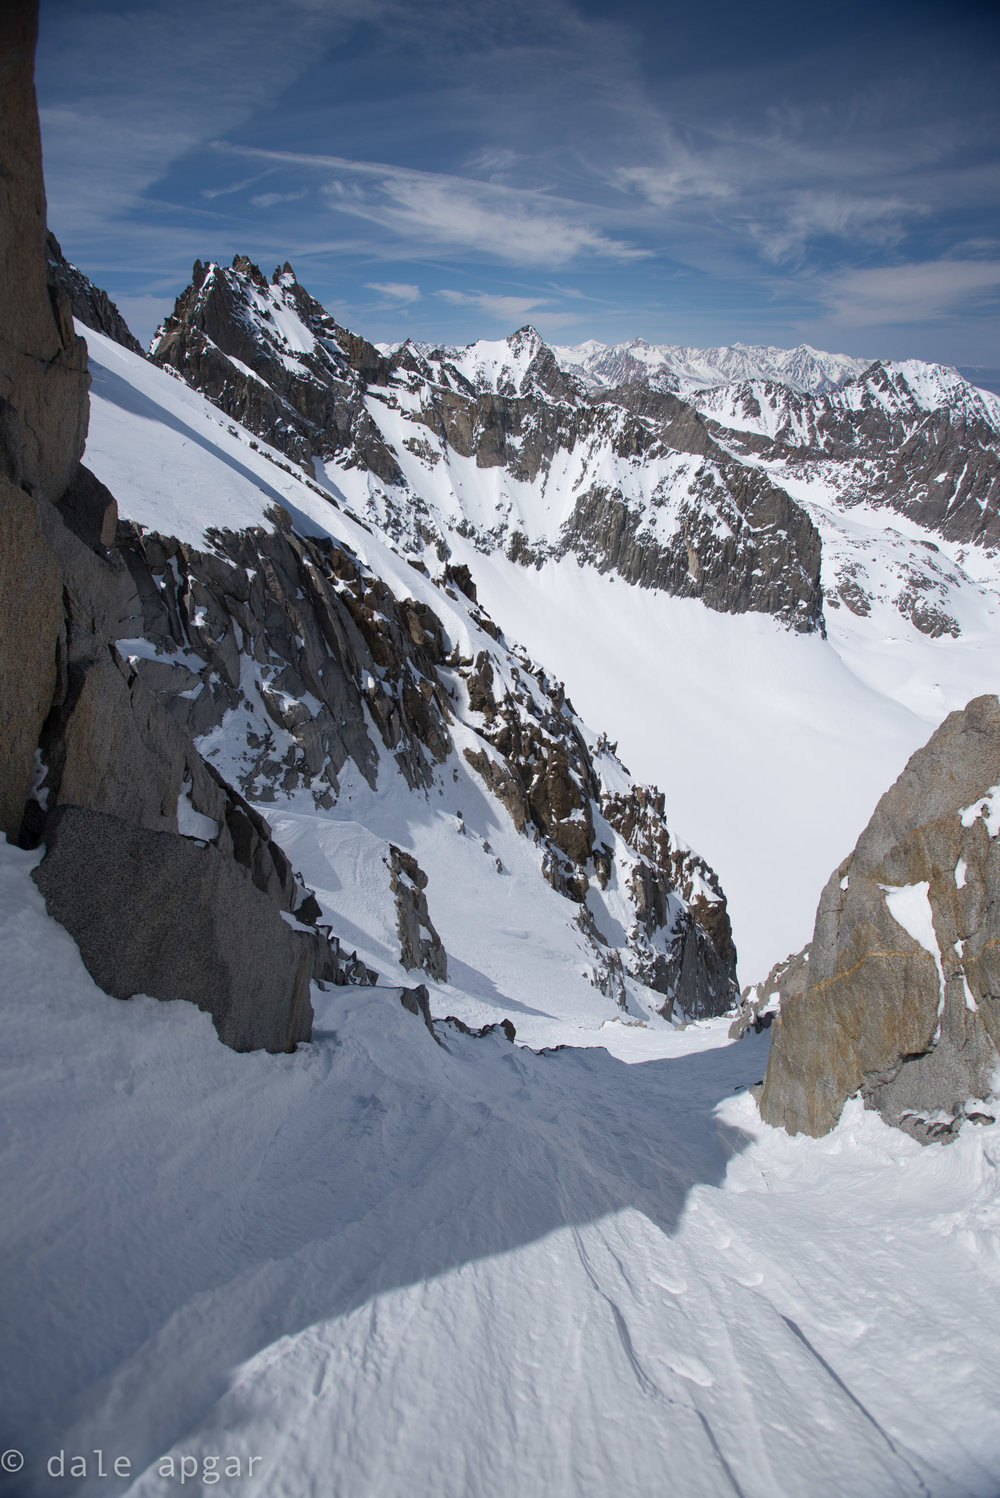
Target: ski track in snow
{"points": [[390, 1269]]}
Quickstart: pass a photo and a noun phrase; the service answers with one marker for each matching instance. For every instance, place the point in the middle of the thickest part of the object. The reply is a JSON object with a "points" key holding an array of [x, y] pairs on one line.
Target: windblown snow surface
{"points": [[389, 1268]]}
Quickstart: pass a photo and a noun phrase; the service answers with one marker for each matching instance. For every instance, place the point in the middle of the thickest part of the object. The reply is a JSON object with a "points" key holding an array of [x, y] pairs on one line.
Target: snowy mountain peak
{"points": [[520, 364], [929, 387], [684, 370]]}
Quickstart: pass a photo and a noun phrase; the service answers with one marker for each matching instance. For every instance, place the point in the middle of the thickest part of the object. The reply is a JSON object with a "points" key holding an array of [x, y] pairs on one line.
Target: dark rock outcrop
{"points": [[742, 546], [87, 302], [156, 913], [675, 893], [419, 944], [297, 629], [902, 1002], [226, 337]]}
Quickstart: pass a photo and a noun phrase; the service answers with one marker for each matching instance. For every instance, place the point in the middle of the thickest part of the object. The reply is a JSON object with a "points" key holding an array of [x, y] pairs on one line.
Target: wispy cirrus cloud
{"points": [[697, 173], [505, 309], [511, 310], [114, 117], [921, 292], [271, 199], [442, 211], [399, 292]]}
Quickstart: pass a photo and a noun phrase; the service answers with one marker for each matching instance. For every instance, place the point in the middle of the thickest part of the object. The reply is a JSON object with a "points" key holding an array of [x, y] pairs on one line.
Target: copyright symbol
{"points": [[12, 1461]]}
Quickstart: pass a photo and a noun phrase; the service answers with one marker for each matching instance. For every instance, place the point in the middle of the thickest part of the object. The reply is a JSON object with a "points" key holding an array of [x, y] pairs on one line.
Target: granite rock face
{"points": [[159, 914], [902, 1002], [43, 364], [166, 877], [31, 596]]}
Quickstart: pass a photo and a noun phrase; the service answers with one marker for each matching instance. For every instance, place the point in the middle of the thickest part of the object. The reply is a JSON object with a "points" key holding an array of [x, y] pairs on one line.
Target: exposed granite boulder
{"points": [[419, 944], [903, 996], [159, 914], [417, 1001]]}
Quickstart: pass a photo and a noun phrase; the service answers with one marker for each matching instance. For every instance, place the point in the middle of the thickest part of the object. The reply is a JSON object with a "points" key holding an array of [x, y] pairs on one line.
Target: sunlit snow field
{"points": [[391, 1269]]}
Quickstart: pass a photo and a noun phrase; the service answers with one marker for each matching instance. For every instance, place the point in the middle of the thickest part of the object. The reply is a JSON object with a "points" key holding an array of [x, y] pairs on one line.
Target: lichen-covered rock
{"points": [[159, 914], [903, 996]]}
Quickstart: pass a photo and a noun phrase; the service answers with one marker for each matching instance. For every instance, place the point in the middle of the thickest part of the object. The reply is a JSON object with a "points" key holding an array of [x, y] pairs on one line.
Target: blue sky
{"points": [[452, 169]]}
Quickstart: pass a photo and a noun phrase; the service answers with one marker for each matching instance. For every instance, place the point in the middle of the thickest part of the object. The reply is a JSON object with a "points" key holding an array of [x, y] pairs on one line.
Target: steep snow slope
{"points": [[383, 1267], [497, 891], [777, 752]]}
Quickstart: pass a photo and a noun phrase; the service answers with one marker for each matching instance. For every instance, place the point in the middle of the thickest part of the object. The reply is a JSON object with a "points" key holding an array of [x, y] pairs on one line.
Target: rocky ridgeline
{"points": [[900, 998], [274, 360], [916, 438], [310, 660], [87, 302], [269, 356]]}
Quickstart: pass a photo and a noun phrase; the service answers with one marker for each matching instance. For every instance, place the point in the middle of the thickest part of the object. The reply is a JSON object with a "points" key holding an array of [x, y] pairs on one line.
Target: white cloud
{"points": [[245, 182], [397, 291], [439, 211], [686, 176], [505, 309], [269, 199], [512, 311], [909, 293], [809, 215]]}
